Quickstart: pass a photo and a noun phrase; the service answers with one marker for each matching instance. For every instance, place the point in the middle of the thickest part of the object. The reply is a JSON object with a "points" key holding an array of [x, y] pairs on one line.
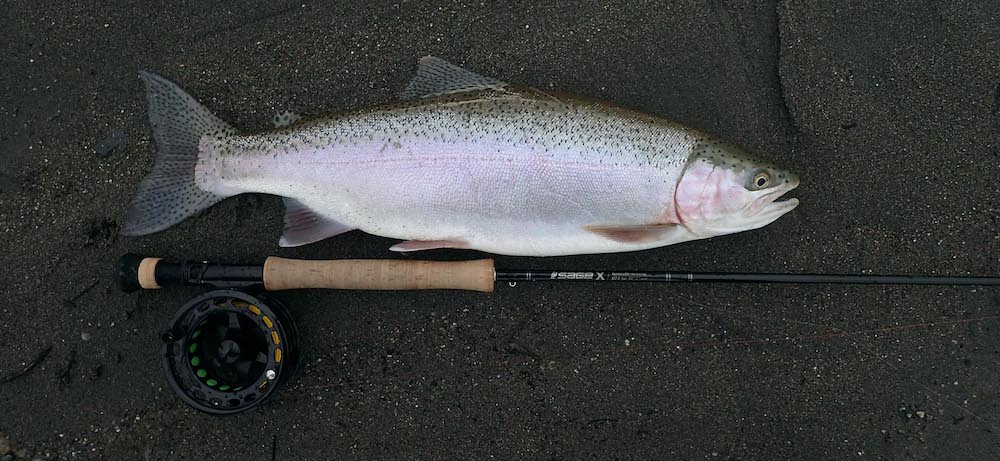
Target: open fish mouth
{"points": [[769, 205]]}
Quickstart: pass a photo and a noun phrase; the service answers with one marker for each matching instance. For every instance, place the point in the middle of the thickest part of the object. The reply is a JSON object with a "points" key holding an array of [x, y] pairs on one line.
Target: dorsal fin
{"points": [[436, 77]]}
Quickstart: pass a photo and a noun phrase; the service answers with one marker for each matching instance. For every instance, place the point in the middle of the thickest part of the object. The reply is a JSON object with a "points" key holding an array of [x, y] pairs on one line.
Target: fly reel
{"points": [[227, 351]]}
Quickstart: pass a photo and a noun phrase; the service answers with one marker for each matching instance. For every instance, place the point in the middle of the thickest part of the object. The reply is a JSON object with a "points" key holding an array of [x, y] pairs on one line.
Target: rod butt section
{"points": [[136, 272]]}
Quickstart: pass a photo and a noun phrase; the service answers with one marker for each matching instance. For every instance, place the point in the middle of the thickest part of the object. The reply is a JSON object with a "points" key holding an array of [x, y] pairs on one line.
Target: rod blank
{"points": [[135, 272], [738, 277]]}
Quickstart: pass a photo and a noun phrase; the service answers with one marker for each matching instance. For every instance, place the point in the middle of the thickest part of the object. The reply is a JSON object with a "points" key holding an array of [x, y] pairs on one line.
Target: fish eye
{"points": [[761, 180]]}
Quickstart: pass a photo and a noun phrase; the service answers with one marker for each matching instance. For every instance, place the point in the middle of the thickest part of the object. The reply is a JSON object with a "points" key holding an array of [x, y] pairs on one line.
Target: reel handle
{"points": [[367, 274]]}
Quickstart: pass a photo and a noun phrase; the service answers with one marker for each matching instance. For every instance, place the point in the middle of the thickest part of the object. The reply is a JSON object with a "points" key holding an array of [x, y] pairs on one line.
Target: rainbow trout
{"points": [[464, 161]]}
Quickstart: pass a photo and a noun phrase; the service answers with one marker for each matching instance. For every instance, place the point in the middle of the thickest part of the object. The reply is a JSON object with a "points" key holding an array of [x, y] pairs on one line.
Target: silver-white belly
{"points": [[496, 198]]}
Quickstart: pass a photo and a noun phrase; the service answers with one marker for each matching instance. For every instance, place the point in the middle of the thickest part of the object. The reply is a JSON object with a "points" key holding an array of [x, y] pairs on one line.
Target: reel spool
{"points": [[227, 351]]}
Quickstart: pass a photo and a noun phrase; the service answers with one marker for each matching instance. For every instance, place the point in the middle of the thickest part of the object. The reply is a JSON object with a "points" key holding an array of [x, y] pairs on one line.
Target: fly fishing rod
{"points": [[228, 351], [276, 274]]}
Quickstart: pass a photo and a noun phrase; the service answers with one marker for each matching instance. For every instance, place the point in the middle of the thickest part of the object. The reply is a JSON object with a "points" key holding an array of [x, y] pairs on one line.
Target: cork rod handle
{"points": [[366, 274]]}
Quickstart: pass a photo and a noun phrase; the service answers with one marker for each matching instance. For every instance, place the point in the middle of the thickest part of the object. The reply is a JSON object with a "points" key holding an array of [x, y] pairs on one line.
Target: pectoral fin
{"points": [[633, 234], [417, 245]]}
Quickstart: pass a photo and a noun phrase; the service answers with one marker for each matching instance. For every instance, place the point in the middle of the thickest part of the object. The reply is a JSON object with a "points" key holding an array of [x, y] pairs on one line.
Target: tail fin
{"points": [[168, 194]]}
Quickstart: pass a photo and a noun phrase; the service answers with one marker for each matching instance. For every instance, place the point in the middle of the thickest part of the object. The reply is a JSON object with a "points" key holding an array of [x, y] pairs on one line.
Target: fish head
{"points": [[723, 190]]}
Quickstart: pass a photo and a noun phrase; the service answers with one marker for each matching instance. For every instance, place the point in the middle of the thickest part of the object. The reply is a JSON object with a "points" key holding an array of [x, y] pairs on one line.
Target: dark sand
{"points": [[889, 113]]}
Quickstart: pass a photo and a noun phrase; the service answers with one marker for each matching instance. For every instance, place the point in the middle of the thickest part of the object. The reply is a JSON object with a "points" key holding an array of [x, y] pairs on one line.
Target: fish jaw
{"points": [[768, 208]]}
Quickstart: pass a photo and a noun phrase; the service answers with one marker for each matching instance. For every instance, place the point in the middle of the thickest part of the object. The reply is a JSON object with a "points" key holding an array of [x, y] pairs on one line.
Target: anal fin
{"points": [[417, 245], [303, 226], [633, 234]]}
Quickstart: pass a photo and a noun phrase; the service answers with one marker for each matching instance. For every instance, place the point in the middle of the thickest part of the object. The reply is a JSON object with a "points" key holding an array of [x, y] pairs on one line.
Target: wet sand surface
{"points": [[890, 113]]}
